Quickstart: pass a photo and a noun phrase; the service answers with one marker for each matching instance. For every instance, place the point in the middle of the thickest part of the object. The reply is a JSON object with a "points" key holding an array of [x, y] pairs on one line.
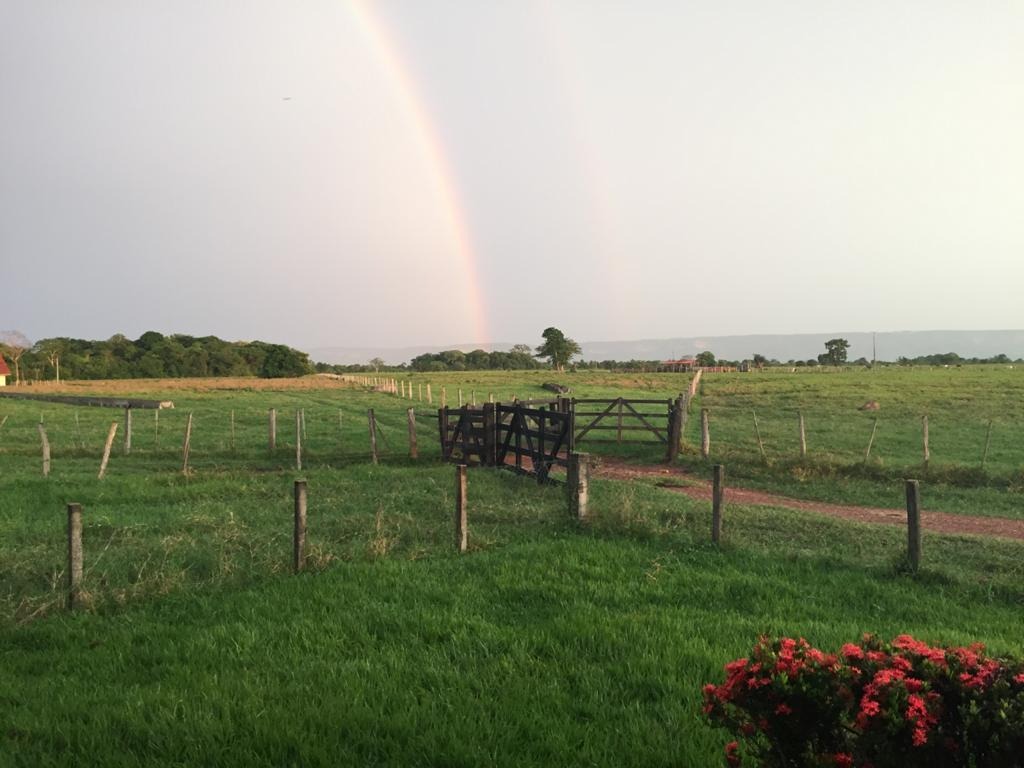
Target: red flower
{"points": [[843, 760], [732, 756]]}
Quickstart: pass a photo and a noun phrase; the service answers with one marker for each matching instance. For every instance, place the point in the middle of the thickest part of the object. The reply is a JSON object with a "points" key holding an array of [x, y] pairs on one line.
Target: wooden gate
{"points": [[532, 440], [621, 415], [526, 440], [631, 416], [467, 436]]}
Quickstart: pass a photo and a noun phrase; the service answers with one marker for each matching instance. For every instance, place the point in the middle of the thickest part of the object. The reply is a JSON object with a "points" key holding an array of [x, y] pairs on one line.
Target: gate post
{"points": [[675, 430]]}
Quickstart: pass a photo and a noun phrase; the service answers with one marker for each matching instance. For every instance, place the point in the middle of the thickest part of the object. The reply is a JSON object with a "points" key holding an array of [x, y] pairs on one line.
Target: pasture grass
{"points": [[549, 642]]}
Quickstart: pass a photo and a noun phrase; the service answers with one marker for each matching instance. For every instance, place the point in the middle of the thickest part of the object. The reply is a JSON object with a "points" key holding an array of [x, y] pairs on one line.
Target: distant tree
{"points": [[557, 347], [759, 360], [835, 352], [377, 364], [455, 359], [706, 359], [478, 360], [15, 344]]}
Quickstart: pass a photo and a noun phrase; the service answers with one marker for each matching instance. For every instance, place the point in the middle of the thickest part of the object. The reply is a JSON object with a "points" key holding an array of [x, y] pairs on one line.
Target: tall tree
{"points": [[835, 351], [558, 348], [706, 359], [16, 344]]}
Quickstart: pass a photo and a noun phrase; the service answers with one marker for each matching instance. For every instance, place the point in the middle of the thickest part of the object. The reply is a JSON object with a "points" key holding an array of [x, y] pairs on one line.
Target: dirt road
{"points": [[935, 522]]}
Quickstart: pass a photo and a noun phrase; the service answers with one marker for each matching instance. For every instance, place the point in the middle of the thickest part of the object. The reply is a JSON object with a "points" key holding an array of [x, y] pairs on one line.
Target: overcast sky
{"points": [[427, 171]]}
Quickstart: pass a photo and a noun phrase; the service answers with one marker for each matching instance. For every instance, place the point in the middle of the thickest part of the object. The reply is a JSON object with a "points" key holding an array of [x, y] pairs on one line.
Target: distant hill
{"points": [[802, 346]]}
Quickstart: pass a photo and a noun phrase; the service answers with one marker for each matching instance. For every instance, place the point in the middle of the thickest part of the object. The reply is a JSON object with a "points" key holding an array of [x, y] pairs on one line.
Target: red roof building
{"points": [[4, 371]]}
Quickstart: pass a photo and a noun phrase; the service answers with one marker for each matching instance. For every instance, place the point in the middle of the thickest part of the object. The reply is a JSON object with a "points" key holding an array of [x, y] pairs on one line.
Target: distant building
{"points": [[4, 372]]}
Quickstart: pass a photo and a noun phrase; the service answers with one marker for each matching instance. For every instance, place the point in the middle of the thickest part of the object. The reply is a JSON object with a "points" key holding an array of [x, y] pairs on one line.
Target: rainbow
{"points": [[433, 151]]}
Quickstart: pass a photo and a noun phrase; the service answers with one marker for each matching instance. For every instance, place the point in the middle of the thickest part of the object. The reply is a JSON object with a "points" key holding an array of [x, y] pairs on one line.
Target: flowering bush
{"points": [[871, 705]]}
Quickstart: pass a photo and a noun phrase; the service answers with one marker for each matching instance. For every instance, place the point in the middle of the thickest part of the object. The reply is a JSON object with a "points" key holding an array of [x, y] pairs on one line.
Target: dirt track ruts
{"points": [[933, 522]]}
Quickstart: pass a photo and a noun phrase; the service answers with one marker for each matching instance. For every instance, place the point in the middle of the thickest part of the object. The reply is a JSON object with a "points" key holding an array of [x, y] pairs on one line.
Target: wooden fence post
{"points": [[430, 398], [686, 414], [299, 553], [74, 556], [675, 430], [461, 534], [298, 441], [127, 431], [414, 451], [46, 450], [419, 392], [578, 484], [760, 443], [717, 497], [924, 438], [302, 414], [803, 436], [272, 427], [444, 397], [705, 434], [232, 430], [914, 524], [373, 436], [871, 440], [106, 450], [460, 397], [694, 382], [186, 446]]}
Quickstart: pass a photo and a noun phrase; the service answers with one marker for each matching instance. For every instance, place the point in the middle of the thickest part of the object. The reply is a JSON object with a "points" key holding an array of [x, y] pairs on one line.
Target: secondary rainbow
{"points": [[433, 152]]}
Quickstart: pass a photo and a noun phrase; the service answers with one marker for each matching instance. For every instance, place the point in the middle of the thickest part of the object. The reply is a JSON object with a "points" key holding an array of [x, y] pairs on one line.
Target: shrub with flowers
{"points": [[871, 705]]}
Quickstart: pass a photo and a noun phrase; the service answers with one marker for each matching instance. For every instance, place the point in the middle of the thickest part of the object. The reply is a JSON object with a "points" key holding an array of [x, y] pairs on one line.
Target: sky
{"points": [[406, 172]]}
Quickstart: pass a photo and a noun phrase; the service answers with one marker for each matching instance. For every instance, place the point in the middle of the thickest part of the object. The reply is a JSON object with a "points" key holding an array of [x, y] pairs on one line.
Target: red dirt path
{"points": [[936, 522]]}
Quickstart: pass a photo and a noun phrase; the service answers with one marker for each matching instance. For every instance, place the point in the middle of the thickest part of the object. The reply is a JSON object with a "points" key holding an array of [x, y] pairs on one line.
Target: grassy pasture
{"points": [[959, 402], [546, 644]]}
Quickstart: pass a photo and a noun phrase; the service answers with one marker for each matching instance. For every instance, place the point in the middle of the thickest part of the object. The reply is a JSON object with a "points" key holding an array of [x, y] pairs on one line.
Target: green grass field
{"points": [[547, 643]]}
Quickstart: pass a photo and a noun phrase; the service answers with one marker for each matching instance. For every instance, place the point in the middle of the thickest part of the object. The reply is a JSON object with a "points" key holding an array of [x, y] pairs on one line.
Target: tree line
{"points": [[152, 355]]}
